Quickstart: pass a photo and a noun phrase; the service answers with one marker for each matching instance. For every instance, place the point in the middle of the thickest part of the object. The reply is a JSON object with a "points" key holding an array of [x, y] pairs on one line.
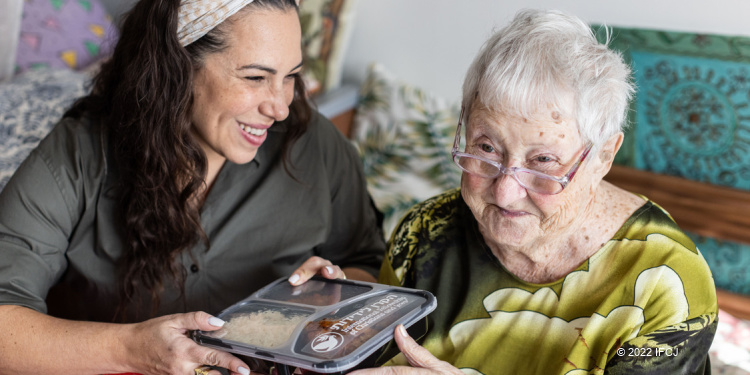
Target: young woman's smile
{"points": [[254, 134]]}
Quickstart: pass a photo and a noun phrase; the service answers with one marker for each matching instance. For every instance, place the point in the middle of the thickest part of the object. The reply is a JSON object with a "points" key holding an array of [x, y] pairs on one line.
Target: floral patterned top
{"points": [[643, 303]]}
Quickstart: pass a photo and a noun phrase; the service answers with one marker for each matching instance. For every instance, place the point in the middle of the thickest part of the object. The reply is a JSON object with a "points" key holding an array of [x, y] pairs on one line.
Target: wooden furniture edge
{"points": [[737, 305], [705, 209], [343, 121], [702, 208]]}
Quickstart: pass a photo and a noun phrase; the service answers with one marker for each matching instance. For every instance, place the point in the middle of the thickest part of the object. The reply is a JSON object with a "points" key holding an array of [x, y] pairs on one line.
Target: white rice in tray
{"points": [[267, 329]]}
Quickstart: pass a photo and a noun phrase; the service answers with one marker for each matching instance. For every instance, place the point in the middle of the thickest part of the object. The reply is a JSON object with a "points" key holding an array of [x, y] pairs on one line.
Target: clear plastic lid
{"points": [[324, 326]]}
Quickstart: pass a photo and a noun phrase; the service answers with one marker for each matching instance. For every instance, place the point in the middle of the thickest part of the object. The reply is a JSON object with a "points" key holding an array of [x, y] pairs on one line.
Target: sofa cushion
{"points": [[30, 104], [63, 34], [404, 135]]}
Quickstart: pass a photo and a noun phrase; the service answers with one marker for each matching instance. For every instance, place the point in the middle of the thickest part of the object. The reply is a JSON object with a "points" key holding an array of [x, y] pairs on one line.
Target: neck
{"points": [[214, 166], [543, 265]]}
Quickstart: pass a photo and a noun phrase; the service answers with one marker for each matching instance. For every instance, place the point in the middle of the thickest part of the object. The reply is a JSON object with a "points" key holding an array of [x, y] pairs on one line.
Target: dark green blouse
{"points": [[60, 241]]}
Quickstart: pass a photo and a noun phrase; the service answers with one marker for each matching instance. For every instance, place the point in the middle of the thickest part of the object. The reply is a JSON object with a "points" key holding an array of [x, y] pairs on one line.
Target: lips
{"points": [[512, 214], [255, 134], [254, 131]]}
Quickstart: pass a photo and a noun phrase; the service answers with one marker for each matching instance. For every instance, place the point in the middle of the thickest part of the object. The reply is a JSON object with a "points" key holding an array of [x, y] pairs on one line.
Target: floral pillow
{"points": [[326, 28], [30, 104], [63, 34], [404, 136]]}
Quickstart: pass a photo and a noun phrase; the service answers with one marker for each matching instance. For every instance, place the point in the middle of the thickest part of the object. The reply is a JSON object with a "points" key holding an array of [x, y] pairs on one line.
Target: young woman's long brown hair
{"points": [[143, 95]]}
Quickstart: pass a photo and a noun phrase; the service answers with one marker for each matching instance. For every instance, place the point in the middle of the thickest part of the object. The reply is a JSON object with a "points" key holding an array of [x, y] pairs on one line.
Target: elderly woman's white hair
{"points": [[539, 60]]}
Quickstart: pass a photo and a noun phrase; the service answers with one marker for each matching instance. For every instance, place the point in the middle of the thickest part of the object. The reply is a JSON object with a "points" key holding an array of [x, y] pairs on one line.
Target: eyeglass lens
{"points": [[526, 179]]}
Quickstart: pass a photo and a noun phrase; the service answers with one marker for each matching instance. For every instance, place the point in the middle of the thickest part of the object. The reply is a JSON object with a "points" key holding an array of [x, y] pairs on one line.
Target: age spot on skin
{"points": [[541, 134]]}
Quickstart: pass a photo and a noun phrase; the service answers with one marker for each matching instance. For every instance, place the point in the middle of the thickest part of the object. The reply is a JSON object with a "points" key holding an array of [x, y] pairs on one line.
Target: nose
{"points": [[507, 190], [276, 104]]}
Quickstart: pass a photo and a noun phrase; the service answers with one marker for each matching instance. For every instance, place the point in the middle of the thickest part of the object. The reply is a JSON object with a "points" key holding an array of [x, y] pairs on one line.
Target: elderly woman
{"points": [[540, 266], [192, 175]]}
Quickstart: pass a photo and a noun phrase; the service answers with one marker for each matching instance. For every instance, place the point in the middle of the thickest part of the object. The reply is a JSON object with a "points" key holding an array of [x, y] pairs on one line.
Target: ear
{"points": [[607, 153]]}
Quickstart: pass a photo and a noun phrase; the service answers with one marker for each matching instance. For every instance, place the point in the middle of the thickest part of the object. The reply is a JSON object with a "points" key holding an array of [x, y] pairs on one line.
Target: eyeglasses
{"points": [[535, 181]]}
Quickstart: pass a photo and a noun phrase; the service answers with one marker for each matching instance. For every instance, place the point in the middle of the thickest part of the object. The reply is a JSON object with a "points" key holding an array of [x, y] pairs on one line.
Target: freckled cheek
{"points": [[242, 103], [477, 193], [475, 187]]}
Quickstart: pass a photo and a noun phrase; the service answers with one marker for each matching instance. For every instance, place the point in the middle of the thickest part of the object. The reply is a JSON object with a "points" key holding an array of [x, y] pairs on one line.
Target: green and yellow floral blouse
{"points": [[644, 303]]}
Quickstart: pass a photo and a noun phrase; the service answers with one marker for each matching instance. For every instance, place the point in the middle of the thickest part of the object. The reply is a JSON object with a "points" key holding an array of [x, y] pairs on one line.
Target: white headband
{"points": [[198, 17]]}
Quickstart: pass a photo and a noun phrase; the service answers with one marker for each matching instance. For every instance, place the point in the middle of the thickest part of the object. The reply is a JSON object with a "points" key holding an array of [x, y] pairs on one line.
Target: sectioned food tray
{"points": [[323, 325]]}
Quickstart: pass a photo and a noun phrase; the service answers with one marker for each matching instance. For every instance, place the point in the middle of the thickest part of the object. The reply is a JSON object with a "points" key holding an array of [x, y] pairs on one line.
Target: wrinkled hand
{"points": [[316, 266], [421, 360], [162, 346]]}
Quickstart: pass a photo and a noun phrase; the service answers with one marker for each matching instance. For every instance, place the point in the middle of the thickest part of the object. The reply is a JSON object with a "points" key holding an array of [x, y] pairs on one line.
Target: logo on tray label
{"points": [[326, 342]]}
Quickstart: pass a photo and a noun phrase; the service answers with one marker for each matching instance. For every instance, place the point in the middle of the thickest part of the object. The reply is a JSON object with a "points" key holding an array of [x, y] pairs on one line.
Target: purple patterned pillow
{"points": [[63, 34]]}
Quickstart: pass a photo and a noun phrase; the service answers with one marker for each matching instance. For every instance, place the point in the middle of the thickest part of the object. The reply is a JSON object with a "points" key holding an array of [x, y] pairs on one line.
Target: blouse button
{"points": [[194, 268]]}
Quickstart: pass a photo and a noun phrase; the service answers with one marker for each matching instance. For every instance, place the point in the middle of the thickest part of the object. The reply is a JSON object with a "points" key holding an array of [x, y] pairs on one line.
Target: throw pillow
{"points": [[63, 34], [404, 136], [326, 28], [30, 104]]}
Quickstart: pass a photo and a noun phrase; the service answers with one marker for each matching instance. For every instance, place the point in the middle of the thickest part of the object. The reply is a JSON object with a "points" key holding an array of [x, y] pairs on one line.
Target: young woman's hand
{"points": [[421, 360], [316, 266], [163, 346]]}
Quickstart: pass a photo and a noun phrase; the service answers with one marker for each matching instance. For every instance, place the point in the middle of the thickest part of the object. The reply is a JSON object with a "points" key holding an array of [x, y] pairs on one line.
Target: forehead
{"points": [[541, 126], [264, 33]]}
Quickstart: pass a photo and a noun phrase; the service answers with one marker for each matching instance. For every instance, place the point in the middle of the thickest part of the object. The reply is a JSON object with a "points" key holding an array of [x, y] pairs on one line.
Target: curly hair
{"points": [[542, 57], [143, 96]]}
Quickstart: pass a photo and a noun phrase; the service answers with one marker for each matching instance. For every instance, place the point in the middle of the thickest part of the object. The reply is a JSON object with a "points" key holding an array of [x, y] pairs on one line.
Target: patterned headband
{"points": [[198, 17]]}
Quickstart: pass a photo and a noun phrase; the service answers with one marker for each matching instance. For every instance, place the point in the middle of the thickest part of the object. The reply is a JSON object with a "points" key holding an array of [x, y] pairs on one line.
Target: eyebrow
{"points": [[266, 68]]}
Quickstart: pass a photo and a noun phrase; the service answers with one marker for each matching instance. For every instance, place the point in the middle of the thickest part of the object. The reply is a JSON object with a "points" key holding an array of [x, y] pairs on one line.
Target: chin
{"points": [[504, 232], [244, 158]]}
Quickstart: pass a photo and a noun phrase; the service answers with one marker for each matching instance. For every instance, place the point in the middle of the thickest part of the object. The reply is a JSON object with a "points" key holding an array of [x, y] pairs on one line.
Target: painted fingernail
{"points": [[294, 278], [329, 269], [216, 322], [243, 370], [402, 331]]}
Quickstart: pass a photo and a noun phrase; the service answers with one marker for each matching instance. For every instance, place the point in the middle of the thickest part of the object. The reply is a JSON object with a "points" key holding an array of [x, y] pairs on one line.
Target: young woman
{"points": [[192, 175]]}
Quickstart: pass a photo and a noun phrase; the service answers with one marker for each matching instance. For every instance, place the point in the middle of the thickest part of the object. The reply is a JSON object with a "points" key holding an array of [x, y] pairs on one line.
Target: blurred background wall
{"points": [[432, 42]]}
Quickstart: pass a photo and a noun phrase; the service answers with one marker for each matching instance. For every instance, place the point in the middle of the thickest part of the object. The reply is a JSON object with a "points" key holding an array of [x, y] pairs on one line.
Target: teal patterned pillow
{"points": [[691, 118], [729, 262], [404, 136]]}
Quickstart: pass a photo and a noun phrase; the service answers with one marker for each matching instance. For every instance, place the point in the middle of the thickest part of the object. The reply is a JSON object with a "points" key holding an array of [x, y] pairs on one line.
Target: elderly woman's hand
{"points": [[421, 360], [162, 346]]}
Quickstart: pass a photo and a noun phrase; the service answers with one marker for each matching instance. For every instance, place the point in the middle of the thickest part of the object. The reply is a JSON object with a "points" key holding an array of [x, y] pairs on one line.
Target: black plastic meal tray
{"points": [[325, 326]]}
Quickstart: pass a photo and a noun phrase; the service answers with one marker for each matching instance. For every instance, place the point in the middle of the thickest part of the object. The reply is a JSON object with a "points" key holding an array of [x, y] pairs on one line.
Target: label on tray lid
{"points": [[345, 330]]}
